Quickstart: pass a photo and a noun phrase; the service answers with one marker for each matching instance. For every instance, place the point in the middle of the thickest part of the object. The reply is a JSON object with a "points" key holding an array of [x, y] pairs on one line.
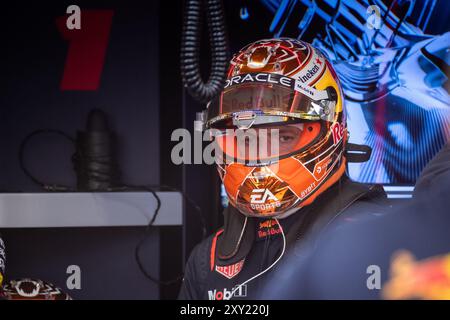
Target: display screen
{"points": [[392, 59]]}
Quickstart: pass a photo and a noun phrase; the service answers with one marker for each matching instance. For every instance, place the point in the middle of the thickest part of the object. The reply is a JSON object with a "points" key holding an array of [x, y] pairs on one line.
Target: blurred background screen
{"points": [[393, 61]]}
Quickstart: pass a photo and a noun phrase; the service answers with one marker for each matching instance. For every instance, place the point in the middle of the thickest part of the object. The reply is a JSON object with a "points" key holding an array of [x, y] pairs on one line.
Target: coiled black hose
{"points": [[190, 47]]}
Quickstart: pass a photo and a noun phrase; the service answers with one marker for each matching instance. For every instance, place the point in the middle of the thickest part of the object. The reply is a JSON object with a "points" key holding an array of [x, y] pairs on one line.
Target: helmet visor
{"points": [[250, 104]]}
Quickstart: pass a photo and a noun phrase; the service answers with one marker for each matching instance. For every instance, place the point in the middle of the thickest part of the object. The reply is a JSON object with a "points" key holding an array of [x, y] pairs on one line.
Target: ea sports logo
{"points": [[259, 198]]}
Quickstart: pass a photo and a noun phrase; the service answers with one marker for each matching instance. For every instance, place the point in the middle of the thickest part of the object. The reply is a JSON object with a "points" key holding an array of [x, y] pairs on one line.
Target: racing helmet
{"points": [[284, 91], [32, 289]]}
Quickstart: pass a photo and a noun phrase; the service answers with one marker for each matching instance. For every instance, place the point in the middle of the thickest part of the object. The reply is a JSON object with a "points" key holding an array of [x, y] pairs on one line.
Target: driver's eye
{"points": [[286, 139]]}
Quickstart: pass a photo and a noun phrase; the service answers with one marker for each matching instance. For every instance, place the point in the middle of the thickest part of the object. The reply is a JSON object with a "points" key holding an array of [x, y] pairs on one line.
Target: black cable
{"points": [[97, 166], [196, 207], [189, 200], [152, 220], [190, 48], [144, 237], [45, 186]]}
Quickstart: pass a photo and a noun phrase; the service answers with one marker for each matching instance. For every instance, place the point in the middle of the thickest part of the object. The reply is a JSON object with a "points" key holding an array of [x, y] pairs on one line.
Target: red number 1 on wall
{"points": [[87, 49]]}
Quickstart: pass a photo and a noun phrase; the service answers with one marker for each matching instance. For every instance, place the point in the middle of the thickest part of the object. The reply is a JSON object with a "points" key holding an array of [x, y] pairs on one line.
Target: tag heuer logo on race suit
{"points": [[231, 270]]}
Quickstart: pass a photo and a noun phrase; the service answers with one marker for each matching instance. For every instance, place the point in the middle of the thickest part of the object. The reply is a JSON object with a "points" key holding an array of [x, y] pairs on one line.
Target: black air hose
{"points": [[190, 47]]}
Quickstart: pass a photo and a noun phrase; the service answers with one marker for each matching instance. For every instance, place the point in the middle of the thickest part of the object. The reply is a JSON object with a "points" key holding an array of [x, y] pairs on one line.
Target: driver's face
{"points": [[268, 141], [278, 140], [285, 136]]}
